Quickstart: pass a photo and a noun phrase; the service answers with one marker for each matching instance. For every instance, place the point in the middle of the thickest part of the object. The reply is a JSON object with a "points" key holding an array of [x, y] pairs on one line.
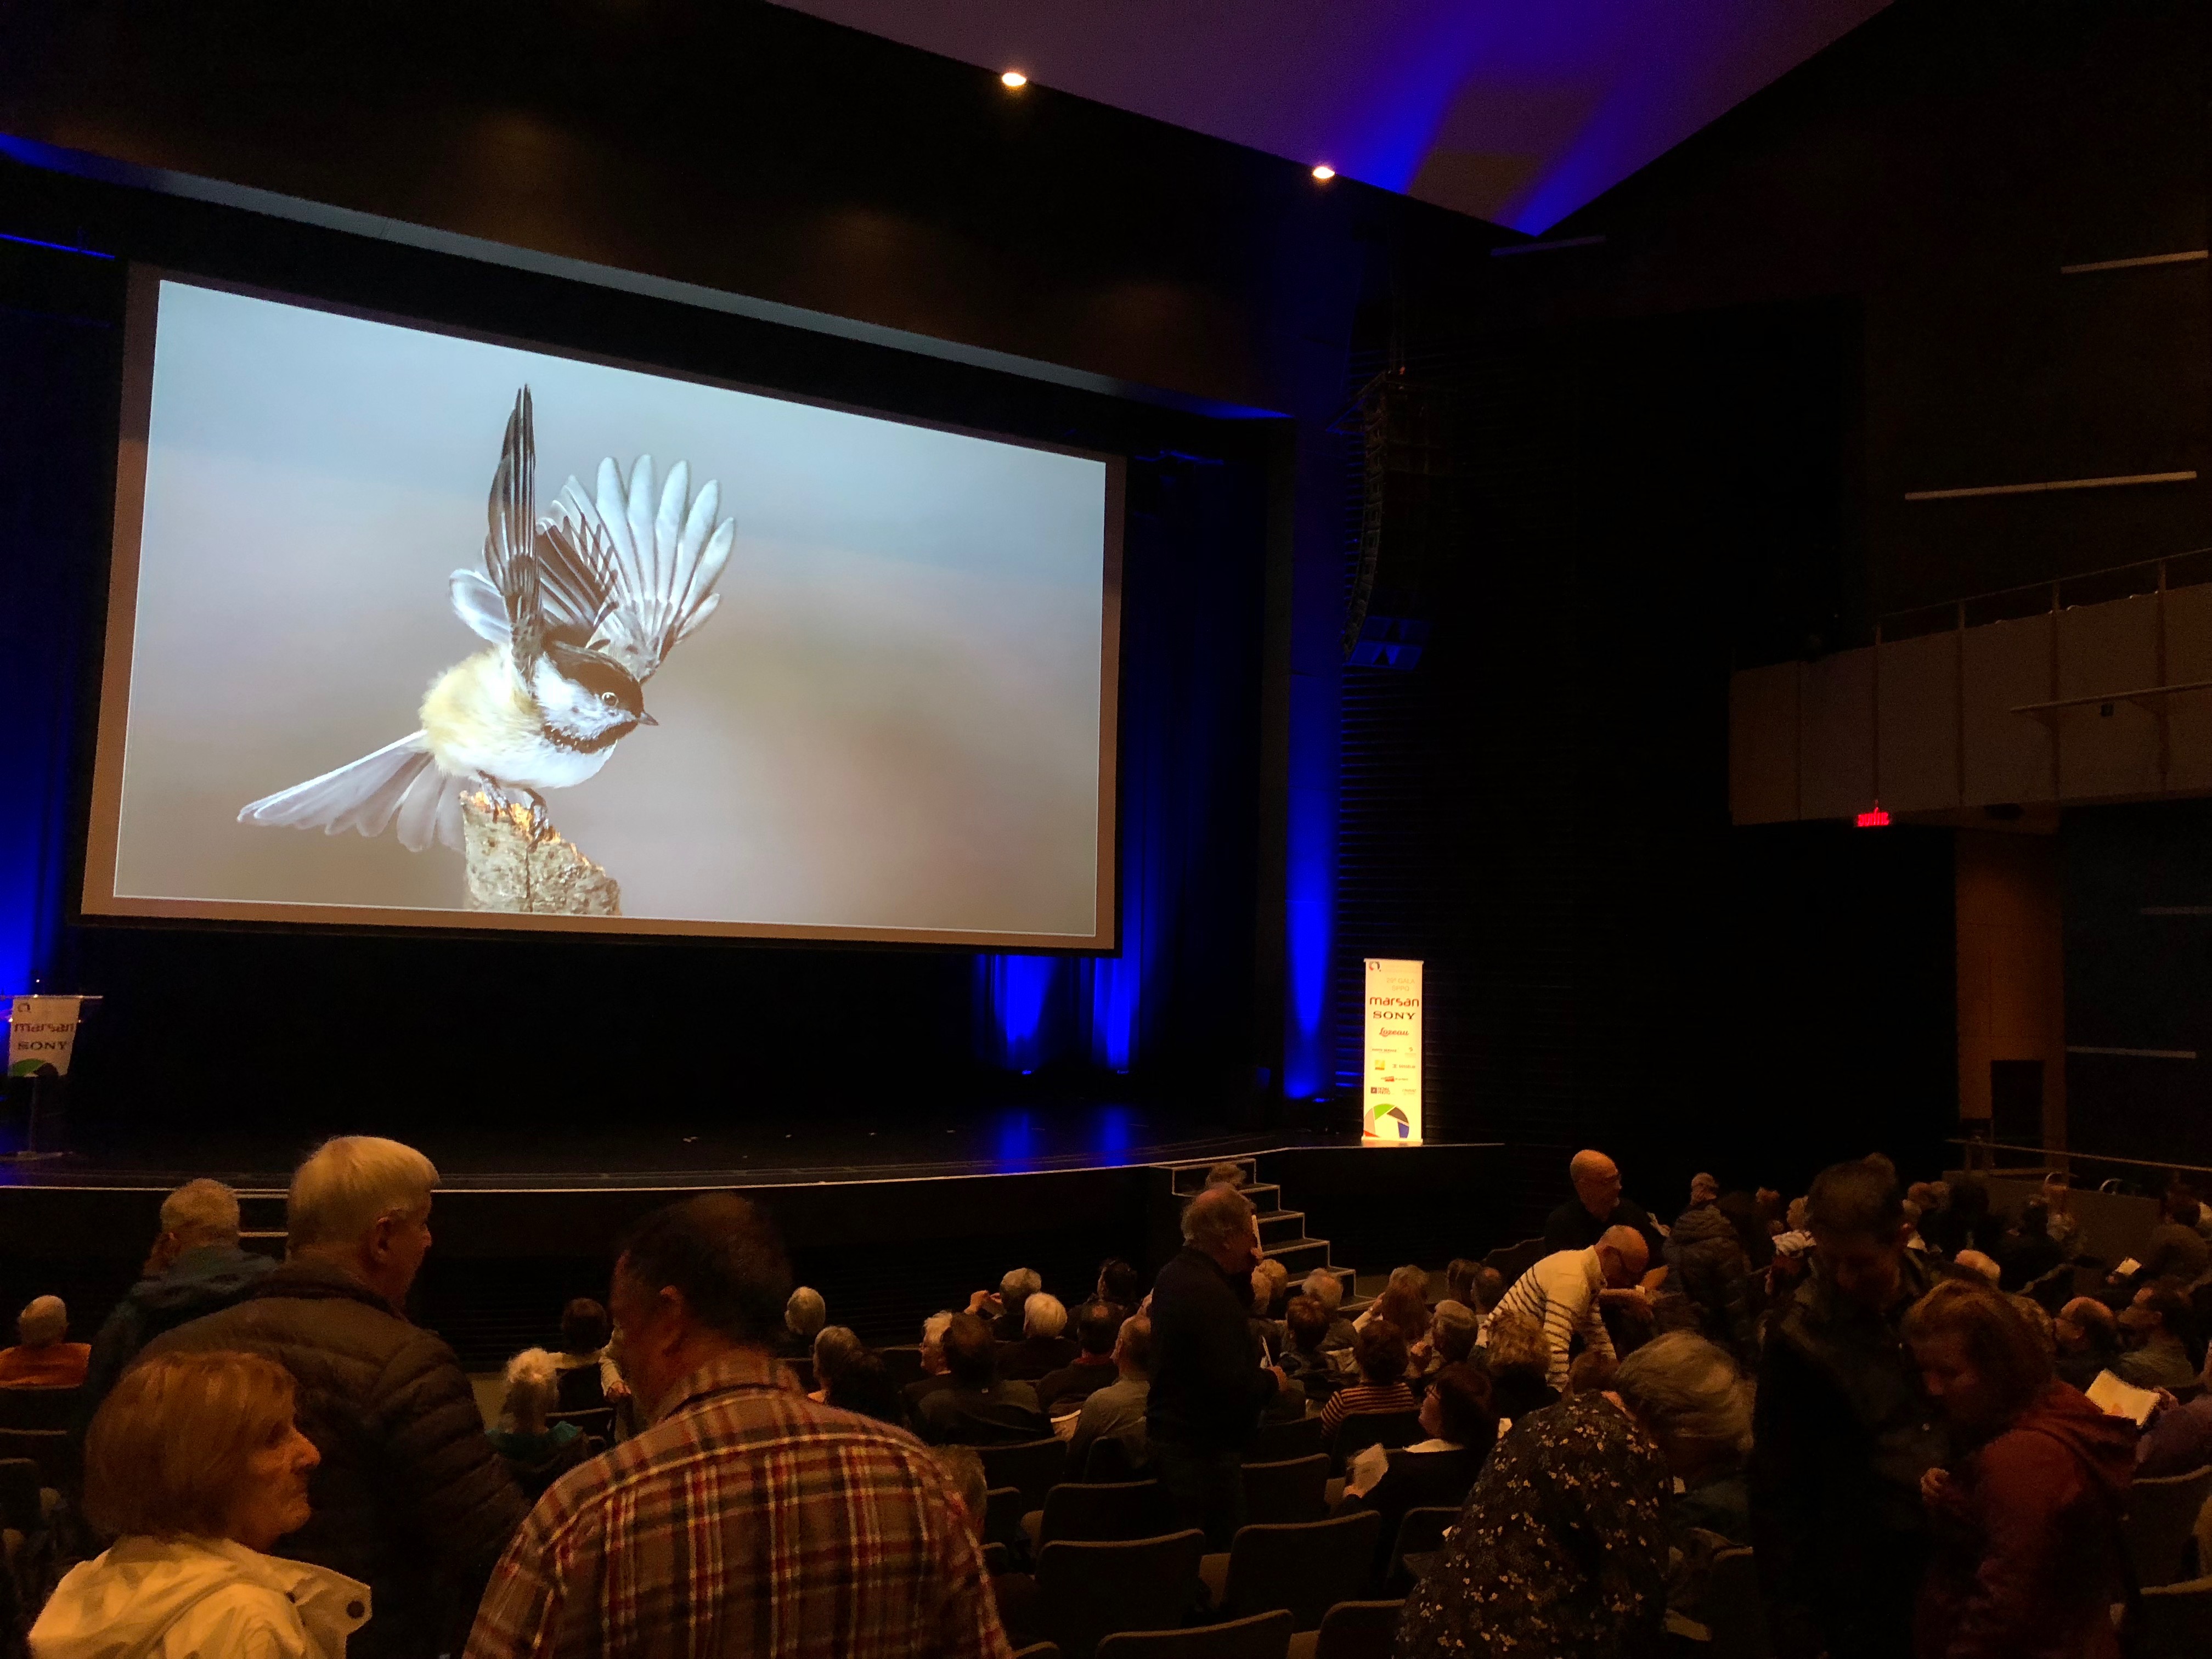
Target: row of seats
{"points": [[1350, 1630]]}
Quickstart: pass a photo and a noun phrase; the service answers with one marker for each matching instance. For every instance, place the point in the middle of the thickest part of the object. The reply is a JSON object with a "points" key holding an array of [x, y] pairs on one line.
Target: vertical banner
{"points": [[1390, 1109], [41, 1033]]}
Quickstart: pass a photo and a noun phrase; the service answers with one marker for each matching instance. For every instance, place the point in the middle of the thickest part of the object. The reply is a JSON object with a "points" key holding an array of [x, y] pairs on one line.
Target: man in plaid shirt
{"points": [[747, 1520]]}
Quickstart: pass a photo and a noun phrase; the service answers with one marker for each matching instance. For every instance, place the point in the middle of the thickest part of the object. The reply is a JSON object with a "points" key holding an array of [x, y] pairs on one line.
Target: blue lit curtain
{"points": [[1190, 618], [56, 379]]}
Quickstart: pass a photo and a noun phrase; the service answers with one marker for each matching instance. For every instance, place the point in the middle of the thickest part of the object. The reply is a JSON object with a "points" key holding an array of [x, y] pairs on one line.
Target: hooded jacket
{"points": [[197, 1598], [1709, 1263], [2027, 1539], [198, 1282], [410, 1497]]}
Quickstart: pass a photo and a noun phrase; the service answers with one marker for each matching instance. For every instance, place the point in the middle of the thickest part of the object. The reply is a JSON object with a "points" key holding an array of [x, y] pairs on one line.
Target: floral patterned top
{"points": [[1561, 1550]]}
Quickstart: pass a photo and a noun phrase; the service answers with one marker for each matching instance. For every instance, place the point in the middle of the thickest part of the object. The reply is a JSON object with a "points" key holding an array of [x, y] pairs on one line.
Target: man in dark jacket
{"points": [[1209, 1380], [1843, 1434], [409, 1496], [196, 1268], [1711, 1270], [980, 1408]]}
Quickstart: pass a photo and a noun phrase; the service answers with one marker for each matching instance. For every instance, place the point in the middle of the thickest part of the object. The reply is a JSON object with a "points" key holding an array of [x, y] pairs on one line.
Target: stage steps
{"points": [[1282, 1232]]}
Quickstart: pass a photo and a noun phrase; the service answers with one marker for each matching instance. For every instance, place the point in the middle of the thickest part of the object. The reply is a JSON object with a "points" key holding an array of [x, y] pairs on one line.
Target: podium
{"points": [[45, 1090]]}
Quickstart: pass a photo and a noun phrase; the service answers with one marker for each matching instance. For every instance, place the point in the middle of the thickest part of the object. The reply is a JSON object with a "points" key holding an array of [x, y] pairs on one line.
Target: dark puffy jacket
{"points": [[1708, 1258], [1207, 1387], [409, 1497], [198, 1283]]}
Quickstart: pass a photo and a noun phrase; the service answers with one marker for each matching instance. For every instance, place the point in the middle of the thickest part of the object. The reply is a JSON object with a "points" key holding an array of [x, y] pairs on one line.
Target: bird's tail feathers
{"points": [[399, 781]]}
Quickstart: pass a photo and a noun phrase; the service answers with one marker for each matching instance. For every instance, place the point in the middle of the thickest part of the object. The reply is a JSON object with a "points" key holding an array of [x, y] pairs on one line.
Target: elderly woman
{"points": [[1520, 1366], [537, 1451], [1561, 1550], [194, 1460], [835, 1348], [2027, 1524], [1461, 1425]]}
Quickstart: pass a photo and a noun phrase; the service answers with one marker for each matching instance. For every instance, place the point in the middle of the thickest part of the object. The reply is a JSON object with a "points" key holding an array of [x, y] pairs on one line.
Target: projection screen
{"points": [[418, 628]]}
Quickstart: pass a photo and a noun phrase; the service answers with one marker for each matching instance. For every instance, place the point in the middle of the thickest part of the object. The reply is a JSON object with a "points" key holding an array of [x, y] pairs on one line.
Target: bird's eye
{"points": [[609, 698]]}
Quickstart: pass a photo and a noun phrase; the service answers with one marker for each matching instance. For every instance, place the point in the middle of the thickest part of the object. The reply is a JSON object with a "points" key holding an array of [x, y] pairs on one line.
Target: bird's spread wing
{"points": [[533, 588], [660, 561]]}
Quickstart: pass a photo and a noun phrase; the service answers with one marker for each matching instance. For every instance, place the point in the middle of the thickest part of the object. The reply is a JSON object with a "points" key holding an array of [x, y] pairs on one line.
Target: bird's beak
{"points": [[644, 719]]}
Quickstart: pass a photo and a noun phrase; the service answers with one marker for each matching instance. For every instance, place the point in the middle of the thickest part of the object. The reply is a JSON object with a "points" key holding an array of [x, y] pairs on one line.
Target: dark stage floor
{"points": [[997, 1140]]}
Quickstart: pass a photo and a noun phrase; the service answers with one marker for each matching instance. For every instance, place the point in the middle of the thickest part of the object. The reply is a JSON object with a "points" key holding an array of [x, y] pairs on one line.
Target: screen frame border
{"points": [[98, 902]]}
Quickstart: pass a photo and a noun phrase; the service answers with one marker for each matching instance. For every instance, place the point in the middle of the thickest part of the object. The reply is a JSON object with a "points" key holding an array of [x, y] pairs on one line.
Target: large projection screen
{"points": [[390, 643]]}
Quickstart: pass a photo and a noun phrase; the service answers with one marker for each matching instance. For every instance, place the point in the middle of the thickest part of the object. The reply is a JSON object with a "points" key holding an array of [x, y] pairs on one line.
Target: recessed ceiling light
{"points": [[1013, 79], [1324, 172]]}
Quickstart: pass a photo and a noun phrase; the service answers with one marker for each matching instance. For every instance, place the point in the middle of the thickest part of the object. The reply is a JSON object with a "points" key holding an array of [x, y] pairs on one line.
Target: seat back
{"points": [[1108, 1460], [1263, 1635], [1003, 1508], [1121, 1509], [49, 1449], [1358, 1630], [1420, 1530], [583, 1390], [37, 1408], [1306, 1568], [1357, 1431], [904, 1364], [2161, 1522], [1277, 1442], [2174, 1620], [1511, 1261], [1032, 1468], [1295, 1488], [1734, 1610], [1090, 1590], [1038, 1650]]}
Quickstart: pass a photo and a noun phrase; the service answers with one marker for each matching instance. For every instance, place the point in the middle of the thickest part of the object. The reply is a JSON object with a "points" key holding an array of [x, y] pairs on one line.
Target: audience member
{"points": [[2029, 1251], [1712, 1272], [195, 1268], [1460, 1274], [863, 1384], [803, 1316], [1843, 1434], [1380, 1353], [2088, 1339], [1489, 1290], [838, 1535], [1404, 1303], [980, 1408], [1116, 1412], [934, 1376], [588, 1378], [1325, 1286], [2176, 1250], [410, 1497], [2038, 1321], [2177, 1440], [1118, 1283], [836, 1347], [1004, 1309], [1277, 1284], [1098, 1324], [1225, 1174], [1562, 1547], [2065, 1226], [1963, 1222], [1460, 1424], [1045, 1346], [1591, 1373], [42, 1357], [196, 1465], [1597, 1207], [1979, 1264], [1519, 1361], [1306, 1323], [537, 1453], [1452, 1328], [2025, 1525], [2155, 1327], [1208, 1386], [1560, 1293]]}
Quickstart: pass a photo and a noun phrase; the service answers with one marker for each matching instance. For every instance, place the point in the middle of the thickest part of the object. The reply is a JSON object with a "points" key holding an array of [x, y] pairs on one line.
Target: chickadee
{"points": [[580, 606]]}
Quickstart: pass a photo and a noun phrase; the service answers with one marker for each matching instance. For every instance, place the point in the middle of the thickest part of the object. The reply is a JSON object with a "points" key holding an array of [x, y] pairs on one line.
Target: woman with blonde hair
{"points": [[195, 1463]]}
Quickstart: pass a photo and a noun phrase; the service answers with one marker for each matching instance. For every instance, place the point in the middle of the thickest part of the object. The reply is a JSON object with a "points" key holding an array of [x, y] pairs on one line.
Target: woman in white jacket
{"points": [[195, 1463]]}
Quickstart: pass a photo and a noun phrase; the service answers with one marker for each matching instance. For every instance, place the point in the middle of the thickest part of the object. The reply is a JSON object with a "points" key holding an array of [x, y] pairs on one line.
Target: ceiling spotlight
{"points": [[1324, 172], [1013, 79]]}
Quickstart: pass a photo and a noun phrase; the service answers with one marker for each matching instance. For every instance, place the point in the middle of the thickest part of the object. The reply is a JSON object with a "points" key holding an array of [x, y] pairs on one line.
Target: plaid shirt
{"points": [[747, 1520]]}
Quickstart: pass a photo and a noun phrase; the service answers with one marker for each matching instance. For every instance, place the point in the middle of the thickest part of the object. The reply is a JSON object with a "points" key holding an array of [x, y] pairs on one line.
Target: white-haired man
{"points": [[196, 1268], [1561, 1292], [409, 1497], [43, 1357]]}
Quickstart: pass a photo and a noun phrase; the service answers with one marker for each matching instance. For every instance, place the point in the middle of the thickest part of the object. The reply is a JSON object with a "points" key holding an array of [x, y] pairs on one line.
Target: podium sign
{"points": [[1390, 1103], [42, 1036]]}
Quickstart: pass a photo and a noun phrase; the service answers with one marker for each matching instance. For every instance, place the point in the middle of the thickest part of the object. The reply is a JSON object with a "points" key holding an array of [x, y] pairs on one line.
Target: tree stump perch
{"points": [[520, 864]]}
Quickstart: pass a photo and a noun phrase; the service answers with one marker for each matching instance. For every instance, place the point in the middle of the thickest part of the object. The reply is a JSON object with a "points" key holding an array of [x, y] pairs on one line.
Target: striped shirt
{"points": [[1367, 1397], [1561, 1294], [747, 1520]]}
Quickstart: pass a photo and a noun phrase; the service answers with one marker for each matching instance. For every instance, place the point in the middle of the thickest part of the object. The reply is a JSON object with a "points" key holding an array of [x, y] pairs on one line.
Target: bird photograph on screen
{"points": [[581, 604]]}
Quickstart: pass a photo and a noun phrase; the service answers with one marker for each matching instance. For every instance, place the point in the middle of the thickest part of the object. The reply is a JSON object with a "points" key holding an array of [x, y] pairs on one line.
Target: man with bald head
{"points": [[2088, 1338], [43, 1357], [1561, 1293]]}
